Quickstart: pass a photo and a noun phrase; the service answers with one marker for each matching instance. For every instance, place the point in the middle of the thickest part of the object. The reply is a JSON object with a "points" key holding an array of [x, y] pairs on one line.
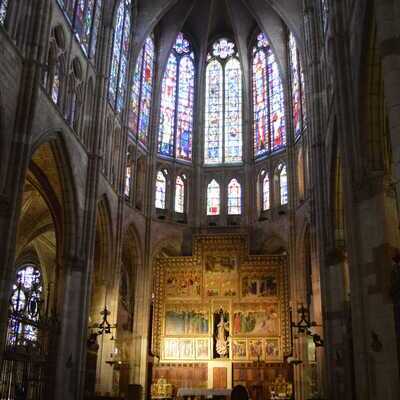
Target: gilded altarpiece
{"points": [[221, 283]]}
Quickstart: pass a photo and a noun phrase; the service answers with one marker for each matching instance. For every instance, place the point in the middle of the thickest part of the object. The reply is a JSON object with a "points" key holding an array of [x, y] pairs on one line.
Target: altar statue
{"points": [[222, 345]]}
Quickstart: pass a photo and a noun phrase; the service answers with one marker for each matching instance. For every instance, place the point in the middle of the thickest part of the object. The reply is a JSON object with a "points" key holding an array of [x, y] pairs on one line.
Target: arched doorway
{"points": [[29, 358]]}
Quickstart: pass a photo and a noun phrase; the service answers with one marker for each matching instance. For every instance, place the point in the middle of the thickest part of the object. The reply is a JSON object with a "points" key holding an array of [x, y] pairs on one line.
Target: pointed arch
{"points": [[161, 190], [234, 197], [223, 115], [213, 198], [177, 102]]}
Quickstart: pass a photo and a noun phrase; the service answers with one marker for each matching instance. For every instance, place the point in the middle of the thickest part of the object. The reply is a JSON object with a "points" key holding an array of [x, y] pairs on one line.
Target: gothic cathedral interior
{"points": [[200, 199]]}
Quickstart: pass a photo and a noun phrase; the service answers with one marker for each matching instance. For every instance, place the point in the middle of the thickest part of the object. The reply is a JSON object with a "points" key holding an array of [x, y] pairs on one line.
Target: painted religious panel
{"points": [[221, 277], [181, 320], [186, 349], [255, 349], [182, 284], [239, 349], [259, 286], [202, 349], [256, 320], [220, 285], [171, 349], [272, 349], [220, 263]]}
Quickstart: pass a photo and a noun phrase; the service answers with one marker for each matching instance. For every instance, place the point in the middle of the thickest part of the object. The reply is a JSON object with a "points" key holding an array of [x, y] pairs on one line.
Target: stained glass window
{"points": [[86, 23], [84, 16], [297, 81], [3, 11], [213, 198], [223, 117], [266, 193], [179, 195], [161, 189], [177, 98], [234, 198], [283, 185], [268, 100], [214, 113], [25, 307], [142, 86], [119, 57]]}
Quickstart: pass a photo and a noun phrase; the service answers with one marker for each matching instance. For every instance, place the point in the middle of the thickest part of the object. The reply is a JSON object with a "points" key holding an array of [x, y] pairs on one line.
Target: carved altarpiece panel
{"points": [[190, 292]]}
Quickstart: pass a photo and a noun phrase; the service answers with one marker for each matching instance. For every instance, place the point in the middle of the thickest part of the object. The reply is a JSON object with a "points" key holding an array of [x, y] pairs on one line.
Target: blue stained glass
{"points": [[119, 61], [3, 11], [177, 99], [185, 109], [25, 307], [147, 87], [233, 111], [223, 114], [142, 86], [135, 95], [262, 40], [214, 113], [168, 103], [181, 45]]}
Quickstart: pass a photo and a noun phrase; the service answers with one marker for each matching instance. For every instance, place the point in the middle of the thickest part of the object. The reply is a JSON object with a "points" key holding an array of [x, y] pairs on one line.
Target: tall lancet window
{"points": [[283, 185], [177, 97], [141, 92], [297, 80], [268, 100], [161, 190], [266, 193], [180, 194], [86, 23], [234, 198], [3, 11], [213, 198], [223, 113], [119, 56]]}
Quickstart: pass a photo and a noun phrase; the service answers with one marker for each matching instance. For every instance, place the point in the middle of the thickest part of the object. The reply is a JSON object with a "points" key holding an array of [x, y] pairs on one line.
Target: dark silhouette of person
{"points": [[239, 392]]}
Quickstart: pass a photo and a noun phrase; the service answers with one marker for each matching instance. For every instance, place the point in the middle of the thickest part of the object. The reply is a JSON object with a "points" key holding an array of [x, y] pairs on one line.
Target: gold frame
{"points": [[247, 265]]}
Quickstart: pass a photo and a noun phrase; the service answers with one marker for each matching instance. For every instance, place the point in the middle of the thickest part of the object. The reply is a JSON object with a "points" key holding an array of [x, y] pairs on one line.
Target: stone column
{"points": [[12, 176]]}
